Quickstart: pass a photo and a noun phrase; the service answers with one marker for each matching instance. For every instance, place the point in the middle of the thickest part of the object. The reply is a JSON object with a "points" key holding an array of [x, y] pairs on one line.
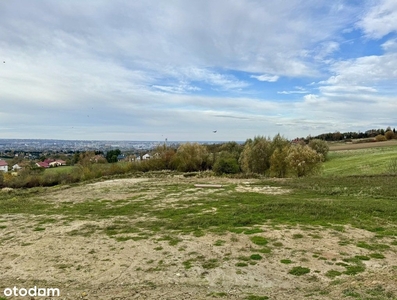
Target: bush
{"points": [[226, 163], [320, 147], [256, 154], [303, 160], [278, 162], [191, 157], [380, 138], [390, 135]]}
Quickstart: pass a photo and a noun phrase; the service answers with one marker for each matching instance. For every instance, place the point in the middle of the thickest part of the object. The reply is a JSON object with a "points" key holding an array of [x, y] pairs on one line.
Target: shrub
{"points": [[256, 154], [191, 157], [390, 135], [226, 163], [303, 160], [320, 146], [380, 138], [278, 162]]}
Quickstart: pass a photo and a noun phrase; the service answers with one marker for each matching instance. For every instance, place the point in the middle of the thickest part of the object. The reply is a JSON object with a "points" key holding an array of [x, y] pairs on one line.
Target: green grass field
{"points": [[368, 161]]}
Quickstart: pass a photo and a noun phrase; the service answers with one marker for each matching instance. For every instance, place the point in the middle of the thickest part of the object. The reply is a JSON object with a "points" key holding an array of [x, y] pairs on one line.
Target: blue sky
{"points": [[150, 70]]}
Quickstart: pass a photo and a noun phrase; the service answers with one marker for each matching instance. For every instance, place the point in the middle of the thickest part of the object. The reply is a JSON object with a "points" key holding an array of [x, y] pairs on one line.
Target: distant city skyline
{"points": [[196, 70]]}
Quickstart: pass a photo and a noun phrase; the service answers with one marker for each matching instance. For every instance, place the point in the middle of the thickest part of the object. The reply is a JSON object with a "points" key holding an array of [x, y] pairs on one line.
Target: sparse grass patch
{"points": [[241, 264], [377, 255], [256, 257], [298, 271], [332, 273], [259, 240], [253, 230], [38, 229], [354, 269], [210, 263], [219, 243], [379, 247], [297, 236], [286, 261], [255, 297]]}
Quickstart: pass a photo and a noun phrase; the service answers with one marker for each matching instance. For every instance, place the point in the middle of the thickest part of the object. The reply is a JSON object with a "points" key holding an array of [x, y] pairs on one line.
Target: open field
{"points": [[355, 146], [365, 161], [148, 238]]}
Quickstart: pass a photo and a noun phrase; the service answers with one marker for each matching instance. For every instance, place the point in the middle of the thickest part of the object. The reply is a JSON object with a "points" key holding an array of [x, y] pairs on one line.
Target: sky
{"points": [[150, 70]]}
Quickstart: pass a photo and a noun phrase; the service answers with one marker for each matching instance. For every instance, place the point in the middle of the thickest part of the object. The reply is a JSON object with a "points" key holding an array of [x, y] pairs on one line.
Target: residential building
{"points": [[3, 166]]}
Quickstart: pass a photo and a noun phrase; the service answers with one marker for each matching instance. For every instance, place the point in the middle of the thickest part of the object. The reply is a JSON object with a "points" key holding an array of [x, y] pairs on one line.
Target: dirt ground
{"points": [[99, 267]]}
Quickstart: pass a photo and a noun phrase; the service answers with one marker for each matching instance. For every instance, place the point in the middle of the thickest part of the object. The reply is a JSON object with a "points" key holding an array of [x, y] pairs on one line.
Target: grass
{"points": [[359, 162], [299, 271]]}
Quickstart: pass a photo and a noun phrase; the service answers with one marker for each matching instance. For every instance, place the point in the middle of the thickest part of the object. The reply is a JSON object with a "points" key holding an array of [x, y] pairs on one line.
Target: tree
{"points": [[390, 135], [278, 162], [111, 155], [320, 146], [380, 138], [256, 154], [303, 160], [226, 163], [191, 157]]}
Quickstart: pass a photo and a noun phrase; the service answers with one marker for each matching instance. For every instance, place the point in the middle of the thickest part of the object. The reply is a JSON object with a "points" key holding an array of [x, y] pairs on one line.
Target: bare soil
{"points": [[97, 266]]}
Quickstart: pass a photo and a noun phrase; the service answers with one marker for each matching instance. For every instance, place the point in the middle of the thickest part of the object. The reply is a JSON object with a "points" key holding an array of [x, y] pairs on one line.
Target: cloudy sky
{"points": [[178, 69]]}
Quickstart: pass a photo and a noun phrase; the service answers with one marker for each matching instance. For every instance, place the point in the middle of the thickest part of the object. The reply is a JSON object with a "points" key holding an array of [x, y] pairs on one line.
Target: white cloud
{"points": [[265, 77], [380, 19]]}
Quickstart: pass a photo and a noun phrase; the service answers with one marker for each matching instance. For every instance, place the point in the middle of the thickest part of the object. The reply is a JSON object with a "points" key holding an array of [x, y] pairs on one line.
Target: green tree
{"points": [[278, 162], [111, 155], [226, 163], [320, 146], [256, 154], [191, 157], [303, 160]]}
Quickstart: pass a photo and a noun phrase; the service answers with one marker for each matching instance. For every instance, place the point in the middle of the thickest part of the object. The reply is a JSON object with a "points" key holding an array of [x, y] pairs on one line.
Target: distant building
{"points": [[146, 156], [3, 166], [57, 163], [16, 167], [42, 164]]}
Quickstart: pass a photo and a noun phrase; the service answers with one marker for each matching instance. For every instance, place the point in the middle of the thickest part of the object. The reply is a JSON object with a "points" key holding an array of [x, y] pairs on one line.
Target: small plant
{"points": [[377, 255], [333, 273], [286, 261], [254, 297], [256, 257], [353, 270], [219, 243], [210, 264], [297, 236], [299, 271], [259, 240], [241, 264]]}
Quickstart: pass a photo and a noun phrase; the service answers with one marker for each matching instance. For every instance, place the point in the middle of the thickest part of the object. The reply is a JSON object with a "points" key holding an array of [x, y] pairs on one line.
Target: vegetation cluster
{"points": [[275, 157]]}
